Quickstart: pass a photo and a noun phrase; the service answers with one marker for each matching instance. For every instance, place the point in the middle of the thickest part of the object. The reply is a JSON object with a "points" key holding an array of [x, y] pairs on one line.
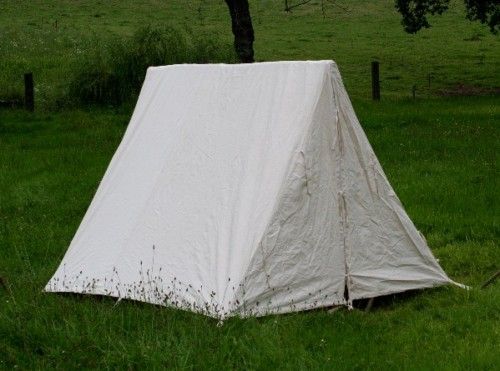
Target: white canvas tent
{"points": [[245, 190]]}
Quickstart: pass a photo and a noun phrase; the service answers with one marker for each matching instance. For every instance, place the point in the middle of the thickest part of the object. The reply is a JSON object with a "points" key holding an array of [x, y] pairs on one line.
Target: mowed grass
{"points": [[440, 156]]}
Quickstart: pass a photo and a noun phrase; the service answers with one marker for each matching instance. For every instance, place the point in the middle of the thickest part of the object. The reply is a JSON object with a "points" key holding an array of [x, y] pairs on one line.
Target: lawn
{"points": [[440, 154]]}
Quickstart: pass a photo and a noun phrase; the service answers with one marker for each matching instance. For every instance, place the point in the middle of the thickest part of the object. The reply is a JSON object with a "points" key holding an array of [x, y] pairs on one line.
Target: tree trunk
{"points": [[241, 23]]}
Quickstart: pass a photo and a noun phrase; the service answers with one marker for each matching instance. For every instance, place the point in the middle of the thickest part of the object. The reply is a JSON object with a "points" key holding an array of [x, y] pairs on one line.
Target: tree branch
{"points": [[288, 8]]}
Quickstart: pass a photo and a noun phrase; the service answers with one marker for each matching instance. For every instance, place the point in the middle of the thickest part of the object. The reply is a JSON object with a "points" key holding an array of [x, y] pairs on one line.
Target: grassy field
{"points": [[440, 154], [50, 38]]}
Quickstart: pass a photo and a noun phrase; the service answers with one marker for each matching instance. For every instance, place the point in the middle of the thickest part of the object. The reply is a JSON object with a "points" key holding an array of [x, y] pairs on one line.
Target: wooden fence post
{"points": [[375, 81], [29, 93]]}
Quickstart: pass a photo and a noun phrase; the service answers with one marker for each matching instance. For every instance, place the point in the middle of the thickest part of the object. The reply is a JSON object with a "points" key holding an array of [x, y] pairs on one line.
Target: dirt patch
{"points": [[462, 90]]}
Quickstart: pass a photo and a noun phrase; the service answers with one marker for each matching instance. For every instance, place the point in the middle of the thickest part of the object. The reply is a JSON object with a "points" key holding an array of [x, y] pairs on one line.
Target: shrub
{"points": [[96, 79], [111, 73]]}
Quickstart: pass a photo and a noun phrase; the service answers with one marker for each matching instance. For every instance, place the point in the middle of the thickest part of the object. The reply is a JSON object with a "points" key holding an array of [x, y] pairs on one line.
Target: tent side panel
{"points": [[385, 252]]}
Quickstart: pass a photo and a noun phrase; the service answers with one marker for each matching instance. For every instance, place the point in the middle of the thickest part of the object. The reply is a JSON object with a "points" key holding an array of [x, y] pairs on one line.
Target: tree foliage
{"points": [[415, 12], [484, 11]]}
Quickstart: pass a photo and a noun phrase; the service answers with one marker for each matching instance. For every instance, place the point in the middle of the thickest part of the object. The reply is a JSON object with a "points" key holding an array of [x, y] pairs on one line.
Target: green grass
{"points": [[440, 155], [455, 51]]}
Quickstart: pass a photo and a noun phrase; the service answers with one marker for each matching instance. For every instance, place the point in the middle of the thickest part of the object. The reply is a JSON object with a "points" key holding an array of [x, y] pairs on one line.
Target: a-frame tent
{"points": [[245, 190]]}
